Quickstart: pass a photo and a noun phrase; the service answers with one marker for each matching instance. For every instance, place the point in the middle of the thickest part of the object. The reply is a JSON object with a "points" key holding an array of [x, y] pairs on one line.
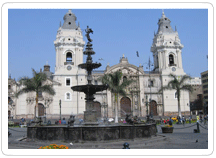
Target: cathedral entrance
{"points": [[125, 104], [40, 109], [97, 107], [153, 108]]}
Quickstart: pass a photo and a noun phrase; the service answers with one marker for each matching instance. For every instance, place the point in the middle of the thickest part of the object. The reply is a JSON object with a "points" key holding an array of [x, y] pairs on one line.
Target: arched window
{"points": [[124, 78], [69, 57], [68, 96], [171, 60]]}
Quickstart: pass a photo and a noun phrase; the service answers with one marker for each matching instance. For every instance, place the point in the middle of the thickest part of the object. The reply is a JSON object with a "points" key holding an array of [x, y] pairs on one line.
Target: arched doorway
{"points": [[97, 107], [153, 108], [40, 109], [125, 104]]}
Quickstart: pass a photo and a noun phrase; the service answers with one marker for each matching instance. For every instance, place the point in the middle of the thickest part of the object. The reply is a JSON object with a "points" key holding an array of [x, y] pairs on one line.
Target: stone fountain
{"points": [[90, 115], [90, 130]]}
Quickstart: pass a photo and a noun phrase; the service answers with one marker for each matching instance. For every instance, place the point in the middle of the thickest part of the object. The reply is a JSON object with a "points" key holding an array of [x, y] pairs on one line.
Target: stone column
{"points": [[159, 60]]}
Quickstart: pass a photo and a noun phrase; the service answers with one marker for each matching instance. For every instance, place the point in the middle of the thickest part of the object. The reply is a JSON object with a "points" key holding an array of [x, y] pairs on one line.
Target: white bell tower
{"points": [[166, 49], [167, 54], [69, 45]]}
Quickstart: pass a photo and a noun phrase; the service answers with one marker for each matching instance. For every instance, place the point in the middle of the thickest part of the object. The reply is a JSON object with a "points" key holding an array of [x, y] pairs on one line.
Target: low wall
{"points": [[90, 133]]}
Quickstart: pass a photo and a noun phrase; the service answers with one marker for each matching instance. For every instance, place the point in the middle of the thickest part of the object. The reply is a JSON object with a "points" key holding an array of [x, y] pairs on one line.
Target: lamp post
{"points": [[47, 102], [146, 105], [60, 107], [150, 85]]}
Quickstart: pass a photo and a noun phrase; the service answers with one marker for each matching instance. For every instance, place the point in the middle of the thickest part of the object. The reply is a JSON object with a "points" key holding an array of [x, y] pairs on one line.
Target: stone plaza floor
{"points": [[183, 137]]}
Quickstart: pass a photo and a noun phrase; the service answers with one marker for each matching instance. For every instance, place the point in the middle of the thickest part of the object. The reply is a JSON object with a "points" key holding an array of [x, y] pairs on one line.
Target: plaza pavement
{"points": [[182, 137]]}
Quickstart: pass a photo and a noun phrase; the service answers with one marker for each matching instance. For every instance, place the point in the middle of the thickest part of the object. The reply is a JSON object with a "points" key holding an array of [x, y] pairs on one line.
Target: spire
{"points": [[175, 28], [164, 24], [60, 24], [163, 15], [69, 20], [9, 76]]}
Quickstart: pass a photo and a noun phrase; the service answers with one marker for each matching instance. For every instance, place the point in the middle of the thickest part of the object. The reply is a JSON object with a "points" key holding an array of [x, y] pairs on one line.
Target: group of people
{"points": [[63, 121]]}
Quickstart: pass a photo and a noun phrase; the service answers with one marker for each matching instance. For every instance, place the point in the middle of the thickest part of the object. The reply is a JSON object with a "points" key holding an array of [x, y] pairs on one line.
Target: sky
{"points": [[31, 35]]}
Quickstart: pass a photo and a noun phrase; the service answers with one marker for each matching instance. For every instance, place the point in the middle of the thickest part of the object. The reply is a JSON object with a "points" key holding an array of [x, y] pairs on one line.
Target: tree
{"points": [[178, 85], [116, 86], [35, 84]]}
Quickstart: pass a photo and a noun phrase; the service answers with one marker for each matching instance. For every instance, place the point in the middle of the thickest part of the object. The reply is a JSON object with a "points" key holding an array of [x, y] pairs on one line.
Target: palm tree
{"points": [[35, 84], [178, 85], [116, 86]]}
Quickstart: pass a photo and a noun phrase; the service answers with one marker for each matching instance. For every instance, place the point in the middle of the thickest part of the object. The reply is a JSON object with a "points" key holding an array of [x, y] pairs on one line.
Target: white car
{"points": [[111, 120]]}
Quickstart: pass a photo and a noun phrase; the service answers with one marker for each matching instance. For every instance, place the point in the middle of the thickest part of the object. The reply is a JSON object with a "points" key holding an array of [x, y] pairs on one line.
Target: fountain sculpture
{"points": [[90, 130], [89, 89]]}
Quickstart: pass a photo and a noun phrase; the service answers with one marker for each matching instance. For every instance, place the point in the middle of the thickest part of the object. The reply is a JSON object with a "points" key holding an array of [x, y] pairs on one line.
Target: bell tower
{"points": [[69, 45], [166, 48], [167, 54]]}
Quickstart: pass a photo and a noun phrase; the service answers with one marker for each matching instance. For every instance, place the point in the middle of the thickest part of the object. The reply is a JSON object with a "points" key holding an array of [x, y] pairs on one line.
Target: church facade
{"points": [[143, 96]]}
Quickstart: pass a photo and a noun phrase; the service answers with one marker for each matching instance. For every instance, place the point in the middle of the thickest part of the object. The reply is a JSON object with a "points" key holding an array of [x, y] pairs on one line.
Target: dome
{"points": [[69, 20]]}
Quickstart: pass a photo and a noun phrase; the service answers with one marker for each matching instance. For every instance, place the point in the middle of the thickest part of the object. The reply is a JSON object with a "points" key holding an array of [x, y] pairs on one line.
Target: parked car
{"points": [[174, 118], [111, 120]]}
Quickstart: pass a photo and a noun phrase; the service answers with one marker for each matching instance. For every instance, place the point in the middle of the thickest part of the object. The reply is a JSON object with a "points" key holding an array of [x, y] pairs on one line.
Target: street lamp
{"points": [[60, 107], [47, 102], [150, 85]]}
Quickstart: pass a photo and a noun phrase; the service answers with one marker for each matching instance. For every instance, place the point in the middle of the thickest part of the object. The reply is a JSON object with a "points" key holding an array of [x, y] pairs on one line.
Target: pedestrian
{"points": [[63, 121], [197, 118], [189, 119], [161, 120], [59, 121], [183, 120], [170, 121], [201, 120]]}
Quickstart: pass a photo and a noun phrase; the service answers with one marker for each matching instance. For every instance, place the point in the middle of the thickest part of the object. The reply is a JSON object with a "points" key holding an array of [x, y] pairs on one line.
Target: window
{"points": [[205, 86], [69, 57], [9, 86], [204, 81], [151, 83], [68, 96], [68, 81], [205, 97], [171, 60], [206, 92], [205, 75], [124, 78]]}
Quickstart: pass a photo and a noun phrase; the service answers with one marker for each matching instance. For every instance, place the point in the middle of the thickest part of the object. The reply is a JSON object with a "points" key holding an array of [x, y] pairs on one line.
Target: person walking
{"points": [[197, 118], [189, 119], [183, 120]]}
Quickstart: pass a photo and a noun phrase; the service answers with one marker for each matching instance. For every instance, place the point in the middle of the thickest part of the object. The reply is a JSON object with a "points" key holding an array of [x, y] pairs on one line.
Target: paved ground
{"points": [[183, 137]]}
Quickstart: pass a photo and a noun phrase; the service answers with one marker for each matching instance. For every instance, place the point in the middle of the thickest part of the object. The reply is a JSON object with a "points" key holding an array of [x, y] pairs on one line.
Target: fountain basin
{"points": [[90, 133], [89, 89]]}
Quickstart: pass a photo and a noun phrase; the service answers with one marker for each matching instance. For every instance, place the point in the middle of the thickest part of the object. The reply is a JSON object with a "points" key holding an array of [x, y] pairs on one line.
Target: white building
{"points": [[69, 47]]}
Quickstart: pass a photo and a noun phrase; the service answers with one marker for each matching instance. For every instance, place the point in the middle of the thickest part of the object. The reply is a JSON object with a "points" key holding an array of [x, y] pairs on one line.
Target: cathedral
{"points": [[143, 96]]}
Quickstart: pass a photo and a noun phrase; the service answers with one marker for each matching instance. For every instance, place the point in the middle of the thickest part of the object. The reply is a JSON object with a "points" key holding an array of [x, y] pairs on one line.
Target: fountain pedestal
{"points": [[90, 117]]}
